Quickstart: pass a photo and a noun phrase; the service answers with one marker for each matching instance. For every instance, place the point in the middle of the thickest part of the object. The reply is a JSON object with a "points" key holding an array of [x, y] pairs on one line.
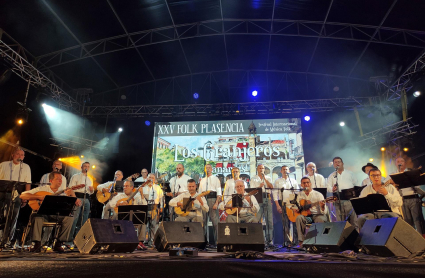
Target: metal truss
{"points": [[388, 134], [227, 109], [75, 144], [226, 27]]}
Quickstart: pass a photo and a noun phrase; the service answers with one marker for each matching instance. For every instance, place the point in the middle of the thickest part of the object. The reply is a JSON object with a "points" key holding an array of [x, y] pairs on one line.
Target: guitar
{"points": [[304, 208], [35, 204], [104, 197], [129, 199], [181, 212], [231, 211]]}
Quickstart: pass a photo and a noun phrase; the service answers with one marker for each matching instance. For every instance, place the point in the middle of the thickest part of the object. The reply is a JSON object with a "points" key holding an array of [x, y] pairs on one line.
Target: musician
{"points": [[318, 211], [317, 180], [14, 170], [390, 193], [199, 207], [55, 179], [286, 183], [266, 209], [56, 167], [178, 183], [108, 211], [412, 204], [366, 169], [346, 180], [213, 184], [229, 187], [81, 178], [144, 176], [250, 206], [154, 196]]}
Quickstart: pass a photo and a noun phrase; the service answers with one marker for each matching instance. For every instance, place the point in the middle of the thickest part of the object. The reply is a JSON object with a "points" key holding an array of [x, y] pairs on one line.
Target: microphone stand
{"points": [[293, 191], [207, 213], [314, 175], [266, 208], [84, 201], [110, 192], [338, 194]]}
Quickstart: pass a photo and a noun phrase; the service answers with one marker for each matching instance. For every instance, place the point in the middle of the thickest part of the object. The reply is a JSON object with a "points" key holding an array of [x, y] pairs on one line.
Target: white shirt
{"points": [[313, 196], [104, 185], [248, 209], [286, 184], [196, 204], [317, 181], [45, 180], [256, 182], [408, 191], [179, 184], [43, 188], [141, 179], [393, 197], [229, 188], [154, 194], [137, 199], [80, 178], [346, 180], [10, 171], [214, 184]]}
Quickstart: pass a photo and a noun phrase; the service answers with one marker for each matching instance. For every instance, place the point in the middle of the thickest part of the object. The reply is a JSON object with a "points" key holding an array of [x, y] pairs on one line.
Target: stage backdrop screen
{"points": [[226, 144]]}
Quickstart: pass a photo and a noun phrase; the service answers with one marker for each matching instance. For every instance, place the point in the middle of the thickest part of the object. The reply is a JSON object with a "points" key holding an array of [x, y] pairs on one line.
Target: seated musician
{"points": [[317, 211], [390, 193], [198, 206], [55, 179], [249, 209], [121, 200]]}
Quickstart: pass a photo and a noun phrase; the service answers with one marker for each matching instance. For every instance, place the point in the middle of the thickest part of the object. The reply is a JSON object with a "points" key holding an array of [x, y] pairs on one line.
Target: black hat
{"points": [[367, 165]]}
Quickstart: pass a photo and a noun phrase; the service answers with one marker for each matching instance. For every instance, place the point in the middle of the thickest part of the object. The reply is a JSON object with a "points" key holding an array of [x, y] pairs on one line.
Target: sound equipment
{"points": [[181, 234], [331, 237], [390, 237], [233, 237], [106, 236]]}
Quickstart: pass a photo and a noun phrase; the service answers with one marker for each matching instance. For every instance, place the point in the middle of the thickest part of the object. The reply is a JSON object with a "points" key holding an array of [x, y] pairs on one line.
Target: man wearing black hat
{"points": [[366, 169]]}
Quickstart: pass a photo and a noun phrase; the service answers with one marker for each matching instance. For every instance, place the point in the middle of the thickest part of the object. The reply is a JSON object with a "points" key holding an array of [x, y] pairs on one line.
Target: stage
{"points": [[207, 264]]}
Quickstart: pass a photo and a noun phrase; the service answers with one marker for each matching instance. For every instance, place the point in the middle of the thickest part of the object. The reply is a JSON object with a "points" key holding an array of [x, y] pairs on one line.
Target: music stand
{"points": [[323, 191], [119, 186], [134, 213], [408, 178], [372, 203]]}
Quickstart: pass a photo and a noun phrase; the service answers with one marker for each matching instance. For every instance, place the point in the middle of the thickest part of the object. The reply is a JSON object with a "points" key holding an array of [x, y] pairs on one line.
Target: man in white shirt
{"points": [[154, 196], [412, 204], [198, 208], [14, 170], [56, 167], [55, 179], [108, 211], [144, 176], [346, 180], [366, 169], [211, 183], [390, 193], [317, 180], [266, 209], [249, 203], [81, 213], [178, 183], [317, 208], [229, 187]]}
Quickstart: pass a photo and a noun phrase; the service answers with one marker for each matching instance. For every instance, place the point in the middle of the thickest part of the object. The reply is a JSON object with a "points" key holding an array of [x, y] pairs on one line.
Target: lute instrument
{"points": [[304, 208], [104, 197], [35, 204], [181, 212], [231, 211]]}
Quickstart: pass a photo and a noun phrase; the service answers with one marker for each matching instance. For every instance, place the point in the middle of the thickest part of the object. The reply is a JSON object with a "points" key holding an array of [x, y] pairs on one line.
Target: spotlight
{"points": [[406, 149], [60, 159], [147, 123], [382, 149], [195, 96], [20, 122], [371, 159], [49, 110], [417, 93], [342, 124], [44, 105], [307, 118], [93, 166], [254, 93], [237, 110], [120, 129], [82, 156]]}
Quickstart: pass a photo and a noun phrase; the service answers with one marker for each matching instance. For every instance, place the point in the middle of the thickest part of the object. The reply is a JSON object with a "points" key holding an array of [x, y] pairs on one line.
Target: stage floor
{"points": [[207, 264]]}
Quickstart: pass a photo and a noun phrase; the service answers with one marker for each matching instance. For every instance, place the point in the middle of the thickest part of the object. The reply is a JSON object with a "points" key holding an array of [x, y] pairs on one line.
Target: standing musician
{"points": [[153, 194], [81, 178], [229, 187], [108, 211], [213, 184], [412, 204], [367, 181], [55, 179], [317, 180], [56, 167], [266, 208], [317, 211], [178, 183], [346, 180], [390, 193], [144, 176], [14, 170], [250, 205], [199, 207]]}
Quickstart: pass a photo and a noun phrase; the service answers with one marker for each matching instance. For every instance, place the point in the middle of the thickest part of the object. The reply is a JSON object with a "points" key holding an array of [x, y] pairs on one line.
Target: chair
{"points": [[54, 225]]}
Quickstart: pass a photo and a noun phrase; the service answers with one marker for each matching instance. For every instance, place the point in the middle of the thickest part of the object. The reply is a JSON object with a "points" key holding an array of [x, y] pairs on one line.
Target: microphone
{"points": [[57, 169]]}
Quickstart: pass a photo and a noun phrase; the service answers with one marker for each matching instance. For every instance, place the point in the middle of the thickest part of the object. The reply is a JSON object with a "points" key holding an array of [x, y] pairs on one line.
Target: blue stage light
{"points": [[307, 118], [147, 123], [254, 93], [195, 96]]}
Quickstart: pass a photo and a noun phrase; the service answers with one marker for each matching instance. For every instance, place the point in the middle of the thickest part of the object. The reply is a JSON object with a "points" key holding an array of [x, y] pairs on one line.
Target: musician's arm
{"points": [[28, 196], [203, 206], [174, 202], [393, 197], [255, 206], [269, 184]]}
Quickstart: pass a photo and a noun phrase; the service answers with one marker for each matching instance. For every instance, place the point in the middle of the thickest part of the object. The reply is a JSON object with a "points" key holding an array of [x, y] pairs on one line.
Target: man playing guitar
{"points": [[55, 179], [108, 211], [249, 209]]}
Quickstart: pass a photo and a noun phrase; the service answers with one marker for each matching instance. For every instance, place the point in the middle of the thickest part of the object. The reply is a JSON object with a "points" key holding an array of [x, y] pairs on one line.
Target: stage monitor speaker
{"points": [[106, 236], [181, 234], [389, 237], [330, 237], [233, 237]]}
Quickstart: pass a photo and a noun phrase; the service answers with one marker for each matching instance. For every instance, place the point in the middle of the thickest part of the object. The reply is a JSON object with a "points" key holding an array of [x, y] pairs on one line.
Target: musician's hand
{"points": [[262, 184], [248, 198], [180, 204], [122, 203], [334, 189], [41, 198], [169, 194], [391, 181], [24, 203], [322, 205], [160, 210], [295, 210], [279, 209], [91, 188], [105, 190], [68, 192], [215, 206], [200, 200], [78, 203], [383, 191], [141, 191]]}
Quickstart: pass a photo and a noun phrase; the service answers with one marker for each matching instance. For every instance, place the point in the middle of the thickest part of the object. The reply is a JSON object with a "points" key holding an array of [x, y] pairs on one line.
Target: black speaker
{"points": [[234, 237], [331, 237], [390, 237], [183, 234], [106, 236]]}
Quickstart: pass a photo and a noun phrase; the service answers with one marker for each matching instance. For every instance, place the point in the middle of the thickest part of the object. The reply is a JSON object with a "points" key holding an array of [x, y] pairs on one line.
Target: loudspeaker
{"points": [[106, 236], [390, 237], [331, 237], [233, 237], [183, 234]]}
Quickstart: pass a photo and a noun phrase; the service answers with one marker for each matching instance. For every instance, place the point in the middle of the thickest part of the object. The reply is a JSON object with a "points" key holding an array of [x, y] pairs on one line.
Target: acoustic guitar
{"points": [[104, 197], [304, 208], [35, 204], [231, 211], [129, 199], [181, 212]]}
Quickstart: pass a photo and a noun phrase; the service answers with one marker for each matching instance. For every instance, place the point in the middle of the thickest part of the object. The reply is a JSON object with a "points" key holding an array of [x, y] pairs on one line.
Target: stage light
{"points": [[44, 105], [93, 166], [195, 96], [49, 110], [20, 122], [406, 149], [307, 118], [254, 93], [342, 124], [237, 110], [82, 156], [417, 93], [120, 129], [382, 149], [147, 123], [371, 159], [60, 159]]}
